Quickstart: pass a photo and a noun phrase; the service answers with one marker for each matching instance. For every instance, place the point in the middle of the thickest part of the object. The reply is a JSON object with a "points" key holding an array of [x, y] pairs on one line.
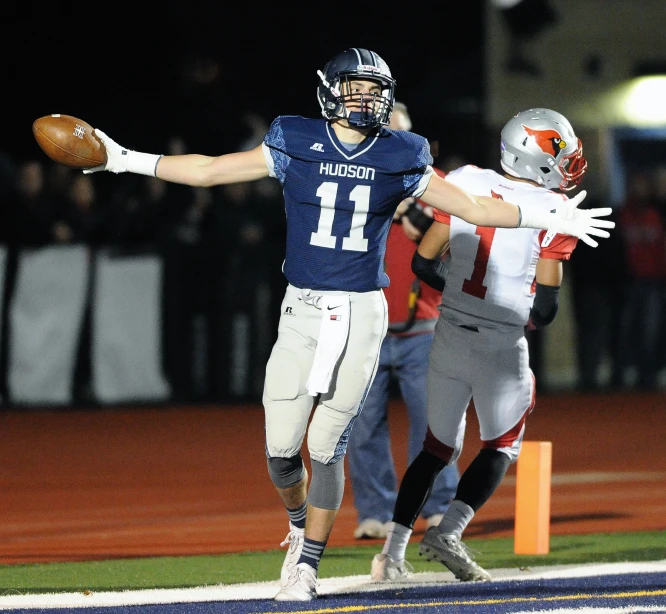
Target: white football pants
{"points": [[287, 403]]}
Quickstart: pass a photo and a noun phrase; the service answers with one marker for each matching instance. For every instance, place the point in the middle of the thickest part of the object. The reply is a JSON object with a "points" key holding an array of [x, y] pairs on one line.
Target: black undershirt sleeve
{"points": [[546, 303], [431, 272]]}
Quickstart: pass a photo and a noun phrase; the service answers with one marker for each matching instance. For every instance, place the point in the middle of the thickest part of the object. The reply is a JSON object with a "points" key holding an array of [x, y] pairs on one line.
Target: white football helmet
{"points": [[540, 145]]}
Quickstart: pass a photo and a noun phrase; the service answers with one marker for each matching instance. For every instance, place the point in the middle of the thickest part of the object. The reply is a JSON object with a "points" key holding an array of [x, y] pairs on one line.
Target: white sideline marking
{"points": [[327, 586]]}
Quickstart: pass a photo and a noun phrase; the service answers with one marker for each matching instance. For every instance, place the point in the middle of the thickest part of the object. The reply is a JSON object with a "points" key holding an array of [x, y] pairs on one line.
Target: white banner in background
{"points": [[45, 319], [3, 274], [126, 329]]}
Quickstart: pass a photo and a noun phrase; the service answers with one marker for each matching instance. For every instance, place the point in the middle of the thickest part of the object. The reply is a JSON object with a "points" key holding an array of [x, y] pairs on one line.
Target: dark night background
{"points": [[128, 70], [125, 76]]}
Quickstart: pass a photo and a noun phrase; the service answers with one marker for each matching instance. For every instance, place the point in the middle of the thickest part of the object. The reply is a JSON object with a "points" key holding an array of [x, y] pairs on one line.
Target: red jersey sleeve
{"points": [[441, 216], [560, 247]]}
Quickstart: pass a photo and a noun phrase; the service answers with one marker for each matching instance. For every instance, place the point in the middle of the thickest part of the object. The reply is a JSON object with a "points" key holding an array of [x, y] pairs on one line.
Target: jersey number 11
{"points": [[360, 196]]}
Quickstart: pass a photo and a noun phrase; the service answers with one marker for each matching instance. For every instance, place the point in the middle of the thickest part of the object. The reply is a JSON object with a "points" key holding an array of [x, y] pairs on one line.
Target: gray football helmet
{"points": [[359, 64], [540, 145]]}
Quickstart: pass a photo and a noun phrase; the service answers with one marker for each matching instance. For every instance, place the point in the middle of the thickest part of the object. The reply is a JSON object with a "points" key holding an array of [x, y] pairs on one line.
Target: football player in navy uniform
{"points": [[343, 177]]}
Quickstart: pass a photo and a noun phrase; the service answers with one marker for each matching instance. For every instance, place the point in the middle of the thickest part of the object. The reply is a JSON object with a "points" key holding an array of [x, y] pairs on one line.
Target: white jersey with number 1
{"points": [[480, 350], [491, 276]]}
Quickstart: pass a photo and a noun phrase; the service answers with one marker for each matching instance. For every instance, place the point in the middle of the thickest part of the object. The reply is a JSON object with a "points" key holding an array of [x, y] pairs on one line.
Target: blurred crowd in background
{"points": [[619, 291], [221, 249]]}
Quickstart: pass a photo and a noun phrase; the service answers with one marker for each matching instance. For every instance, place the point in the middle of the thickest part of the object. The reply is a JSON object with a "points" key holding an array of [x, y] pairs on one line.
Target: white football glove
{"points": [[121, 160], [569, 219], [116, 155]]}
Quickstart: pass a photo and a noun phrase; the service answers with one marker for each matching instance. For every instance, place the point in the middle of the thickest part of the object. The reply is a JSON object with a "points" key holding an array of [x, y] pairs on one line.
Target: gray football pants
{"points": [[491, 367]]}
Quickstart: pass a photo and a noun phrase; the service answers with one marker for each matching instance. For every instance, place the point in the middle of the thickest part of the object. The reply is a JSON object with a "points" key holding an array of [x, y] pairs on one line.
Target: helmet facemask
{"points": [[573, 167]]}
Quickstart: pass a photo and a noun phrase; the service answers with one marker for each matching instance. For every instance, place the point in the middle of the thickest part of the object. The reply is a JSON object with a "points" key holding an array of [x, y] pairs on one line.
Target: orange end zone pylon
{"points": [[533, 485]]}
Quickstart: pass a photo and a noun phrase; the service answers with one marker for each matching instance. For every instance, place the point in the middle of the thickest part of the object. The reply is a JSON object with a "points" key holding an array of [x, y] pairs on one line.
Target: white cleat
{"points": [[301, 586], [449, 550], [294, 539], [434, 520], [371, 528], [385, 569]]}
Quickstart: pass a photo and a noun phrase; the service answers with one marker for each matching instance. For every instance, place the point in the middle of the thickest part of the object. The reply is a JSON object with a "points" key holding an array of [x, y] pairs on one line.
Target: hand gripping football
{"points": [[69, 141]]}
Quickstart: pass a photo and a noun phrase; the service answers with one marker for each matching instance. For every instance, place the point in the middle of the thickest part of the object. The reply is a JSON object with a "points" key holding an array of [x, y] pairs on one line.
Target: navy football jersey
{"points": [[339, 203]]}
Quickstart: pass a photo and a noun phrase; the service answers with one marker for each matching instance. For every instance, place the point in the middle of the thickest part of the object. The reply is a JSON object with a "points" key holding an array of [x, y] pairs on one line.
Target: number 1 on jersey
{"points": [[474, 285], [360, 196]]}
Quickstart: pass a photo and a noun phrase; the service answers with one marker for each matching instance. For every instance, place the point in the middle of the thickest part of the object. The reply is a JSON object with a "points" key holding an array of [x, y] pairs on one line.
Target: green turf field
{"points": [[191, 571]]}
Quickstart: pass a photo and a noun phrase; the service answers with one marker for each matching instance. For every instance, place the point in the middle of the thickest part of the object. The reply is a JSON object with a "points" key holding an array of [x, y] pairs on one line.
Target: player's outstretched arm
{"points": [[189, 169], [477, 210], [487, 211], [206, 171]]}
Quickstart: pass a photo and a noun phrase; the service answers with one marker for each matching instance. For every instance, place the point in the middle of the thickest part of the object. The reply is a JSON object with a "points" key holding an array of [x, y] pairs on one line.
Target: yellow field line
{"points": [[481, 602]]}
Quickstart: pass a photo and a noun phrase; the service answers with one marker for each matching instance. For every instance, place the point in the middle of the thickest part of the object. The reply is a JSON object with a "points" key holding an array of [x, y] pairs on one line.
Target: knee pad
{"points": [[286, 472], [327, 485], [433, 446]]}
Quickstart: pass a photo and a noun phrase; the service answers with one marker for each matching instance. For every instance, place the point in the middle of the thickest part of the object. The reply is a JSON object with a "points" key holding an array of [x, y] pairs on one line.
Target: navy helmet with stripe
{"points": [[356, 64]]}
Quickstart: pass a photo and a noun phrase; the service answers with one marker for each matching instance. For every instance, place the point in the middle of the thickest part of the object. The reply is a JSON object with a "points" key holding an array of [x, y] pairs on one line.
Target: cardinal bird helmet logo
{"points": [[549, 141]]}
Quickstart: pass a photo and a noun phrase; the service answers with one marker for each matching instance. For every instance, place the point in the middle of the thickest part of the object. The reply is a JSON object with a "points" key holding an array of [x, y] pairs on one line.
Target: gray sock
{"points": [[396, 541], [456, 519]]}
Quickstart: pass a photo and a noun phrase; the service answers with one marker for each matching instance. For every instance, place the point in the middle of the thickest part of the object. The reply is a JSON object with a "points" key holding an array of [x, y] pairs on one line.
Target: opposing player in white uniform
{"points": [[498, 284], [343, 177]]}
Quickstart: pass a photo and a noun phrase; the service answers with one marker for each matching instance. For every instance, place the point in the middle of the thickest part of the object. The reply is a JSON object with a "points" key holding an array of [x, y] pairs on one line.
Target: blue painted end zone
{"points": [[618, 591], [614, 593]]}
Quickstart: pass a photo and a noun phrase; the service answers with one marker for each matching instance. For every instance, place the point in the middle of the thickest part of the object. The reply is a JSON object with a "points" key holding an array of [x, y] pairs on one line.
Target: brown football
{"points": [[69, 141]]}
